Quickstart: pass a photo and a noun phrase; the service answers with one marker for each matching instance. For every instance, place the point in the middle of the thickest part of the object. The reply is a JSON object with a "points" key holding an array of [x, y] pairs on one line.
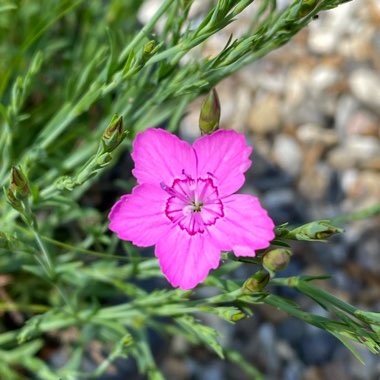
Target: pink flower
{"points": [[185, 205]]}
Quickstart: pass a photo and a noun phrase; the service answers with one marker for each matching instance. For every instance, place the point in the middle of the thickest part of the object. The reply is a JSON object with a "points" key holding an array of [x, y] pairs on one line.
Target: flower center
{"points": [[197, 207], [193, 204]]}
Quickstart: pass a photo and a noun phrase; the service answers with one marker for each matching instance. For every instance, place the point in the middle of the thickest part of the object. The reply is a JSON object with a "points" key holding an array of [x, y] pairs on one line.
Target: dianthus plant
{"points": [[70, 73]]}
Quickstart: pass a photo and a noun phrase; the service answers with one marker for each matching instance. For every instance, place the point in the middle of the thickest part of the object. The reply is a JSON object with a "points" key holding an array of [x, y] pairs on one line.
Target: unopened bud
{"points": [[318, 230], [306, 7], [210, 113], [369, 317], [149, 49], [13, 201], [65, 182], [230, 314], [114, 134], [36, 63], [238, 316], [19, 183], [127, 340], [276, 260], [257, 282]]}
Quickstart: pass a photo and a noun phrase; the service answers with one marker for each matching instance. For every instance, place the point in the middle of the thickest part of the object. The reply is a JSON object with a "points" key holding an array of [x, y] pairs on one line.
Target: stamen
{"points": [[187, 175], [168, 189], [172, 192]]}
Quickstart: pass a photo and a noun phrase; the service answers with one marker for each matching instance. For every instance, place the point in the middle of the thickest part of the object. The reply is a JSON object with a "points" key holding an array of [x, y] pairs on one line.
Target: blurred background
{"points": [[311, 110]]}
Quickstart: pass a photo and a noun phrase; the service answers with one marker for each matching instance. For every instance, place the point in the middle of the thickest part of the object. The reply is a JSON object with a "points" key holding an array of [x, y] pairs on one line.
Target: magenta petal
{"points": [[139, 217], [186, 259], [161, 156], [224, 155], [245, 228]]}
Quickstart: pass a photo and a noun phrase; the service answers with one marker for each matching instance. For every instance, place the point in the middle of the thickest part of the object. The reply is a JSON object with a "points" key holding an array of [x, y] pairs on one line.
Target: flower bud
{"points": [[36, 63], [257, 282], [306, 7], [238, 316], [369, 317], [65, 182], [230, 314], [19, 183], [210, 113], [13, 201], [149, 47], [128, 339], [276, 260], [317, 230], [114, 134]]}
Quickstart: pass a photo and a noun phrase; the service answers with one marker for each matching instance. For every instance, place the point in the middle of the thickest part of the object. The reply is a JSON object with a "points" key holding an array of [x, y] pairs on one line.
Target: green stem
{"points": [[33, 308], [45, 254], [51, 272], [145, 30], [79, 249], [278, 303], [315, 293]]}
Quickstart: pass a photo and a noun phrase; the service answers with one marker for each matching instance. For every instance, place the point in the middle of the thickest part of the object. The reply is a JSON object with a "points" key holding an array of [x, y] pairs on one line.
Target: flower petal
{"points": [[245, 227], [161, 156], [139, 217], [224, 155], [186, 259]]}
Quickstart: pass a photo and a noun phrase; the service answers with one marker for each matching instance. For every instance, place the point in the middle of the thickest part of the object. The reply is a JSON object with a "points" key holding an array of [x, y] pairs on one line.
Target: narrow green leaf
{"points": [[205, 334]]}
